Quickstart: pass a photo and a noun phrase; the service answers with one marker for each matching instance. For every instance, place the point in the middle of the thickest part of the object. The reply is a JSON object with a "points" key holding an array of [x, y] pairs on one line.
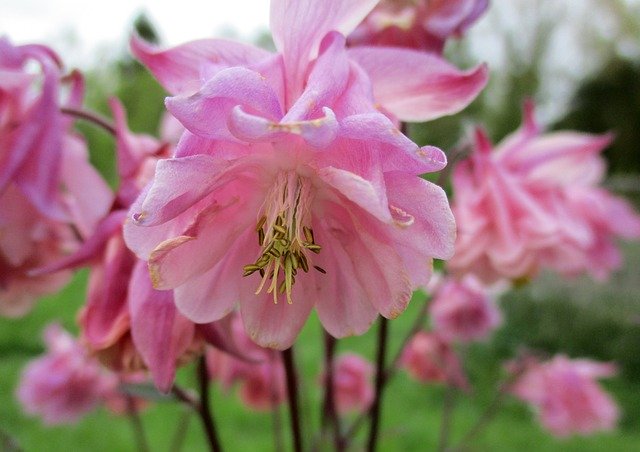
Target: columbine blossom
{"points": [[46, 181], [429, 358], [290, 189], [64, 384], [464, 310], [534, 202], [565, 395], [352, 387], [417, 24]]}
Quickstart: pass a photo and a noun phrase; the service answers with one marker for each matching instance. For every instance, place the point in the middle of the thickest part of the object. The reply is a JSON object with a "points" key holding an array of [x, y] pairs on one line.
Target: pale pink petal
{"points": [[180, 69], [299, 27], [160, 333], [417, 86], [205, 113]]}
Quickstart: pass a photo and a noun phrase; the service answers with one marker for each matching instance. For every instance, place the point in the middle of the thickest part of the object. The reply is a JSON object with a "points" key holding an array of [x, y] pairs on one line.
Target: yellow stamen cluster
{"points": [[284, 243]]}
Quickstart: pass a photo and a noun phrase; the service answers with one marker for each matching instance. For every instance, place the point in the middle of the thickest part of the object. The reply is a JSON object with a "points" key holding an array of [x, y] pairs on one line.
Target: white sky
{"points": [[76, 28]]}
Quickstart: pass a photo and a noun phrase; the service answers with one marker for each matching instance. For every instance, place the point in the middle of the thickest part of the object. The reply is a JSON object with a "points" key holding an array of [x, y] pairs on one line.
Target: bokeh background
{"points": [[580, 61]]}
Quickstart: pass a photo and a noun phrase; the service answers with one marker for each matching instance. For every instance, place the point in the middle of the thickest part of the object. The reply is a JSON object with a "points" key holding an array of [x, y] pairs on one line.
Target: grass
{"points": [[410, 421]]}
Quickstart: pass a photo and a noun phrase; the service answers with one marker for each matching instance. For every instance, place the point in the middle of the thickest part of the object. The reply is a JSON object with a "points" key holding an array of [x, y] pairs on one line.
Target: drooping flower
{"points": [[352, 387], [128, 324], [464, 310], [428, 358], [418, 24], [64, 384], [49, 193], [533, 202], [258, 371], [566, 397], [290, 189]]}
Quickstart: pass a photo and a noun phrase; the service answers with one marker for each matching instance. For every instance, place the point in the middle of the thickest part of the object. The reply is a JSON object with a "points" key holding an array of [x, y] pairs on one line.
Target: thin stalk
{"points": [[447, 417], [90, 117], [330, 417], [392, 368], [181, 432], [204, 411], [276, 415], [136, 423], [375, 410], [292, 397]]}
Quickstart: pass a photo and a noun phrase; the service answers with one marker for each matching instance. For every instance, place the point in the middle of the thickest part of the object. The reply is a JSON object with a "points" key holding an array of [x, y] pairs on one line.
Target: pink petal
{"points": [[159, 332], [205, 113], [273, 325], [341, 302], [213, 294], [178, 184], [318, 133], [433, 229], [418, 86], [180, 68], [299, 27], [177, 260]]}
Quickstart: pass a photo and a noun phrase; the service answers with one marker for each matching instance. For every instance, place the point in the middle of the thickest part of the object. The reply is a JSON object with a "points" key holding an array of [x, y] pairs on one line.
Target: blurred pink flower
{"points": [[565, 395], [64, 384], [533, 202], [428, 358], [258, 371], [418, 24], [464, 310], [46, 181], [352, 386], [289, 174]]}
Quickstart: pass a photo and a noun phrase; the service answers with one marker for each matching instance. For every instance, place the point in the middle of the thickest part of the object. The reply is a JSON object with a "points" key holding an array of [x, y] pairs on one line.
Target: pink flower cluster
{"points": [[565, 395], [352, 388], [534, 202], [66, 383], [46, 181]]}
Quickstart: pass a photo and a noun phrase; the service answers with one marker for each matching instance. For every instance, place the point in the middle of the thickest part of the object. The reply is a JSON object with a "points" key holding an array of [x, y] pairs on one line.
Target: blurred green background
{"points": [[577, 317]]}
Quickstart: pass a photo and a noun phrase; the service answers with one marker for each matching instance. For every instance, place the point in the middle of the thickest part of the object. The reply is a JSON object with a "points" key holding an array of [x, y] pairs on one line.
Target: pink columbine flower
{"points": [[290, 190], [352, 386], [418, 24], [428, 358], [464, 310], [258, 371], [46, 181], [64, 384], [128, 324], [534, 202], [565, 395]]}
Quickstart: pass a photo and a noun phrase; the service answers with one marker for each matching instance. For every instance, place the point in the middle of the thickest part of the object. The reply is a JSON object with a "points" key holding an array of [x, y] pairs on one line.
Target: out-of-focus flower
{"points": [[566, 397], [352, 386], [418, 24], [125, 322], [259, 371], [464, 310], [291, 177], [533, 202], [64, 384], [46, 181], [429, 358]]}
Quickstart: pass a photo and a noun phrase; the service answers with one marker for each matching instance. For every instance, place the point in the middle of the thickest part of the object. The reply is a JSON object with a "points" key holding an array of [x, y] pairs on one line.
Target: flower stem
{"points": [[374, 413], [330, 417], [447, 417], [204, 409], [90, 117], [136, 423], [392, 368], [292, 397]]}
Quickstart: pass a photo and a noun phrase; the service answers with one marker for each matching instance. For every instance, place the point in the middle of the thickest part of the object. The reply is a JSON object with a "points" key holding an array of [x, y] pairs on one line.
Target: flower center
{"points": [[284, 236]]}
